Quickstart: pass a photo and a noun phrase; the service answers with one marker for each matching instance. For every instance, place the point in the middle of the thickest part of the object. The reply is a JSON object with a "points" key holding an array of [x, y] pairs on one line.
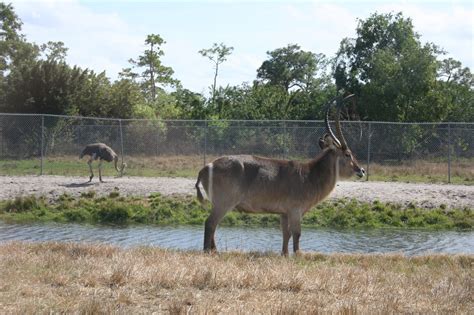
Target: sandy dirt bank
{"points": [[424, 195]]}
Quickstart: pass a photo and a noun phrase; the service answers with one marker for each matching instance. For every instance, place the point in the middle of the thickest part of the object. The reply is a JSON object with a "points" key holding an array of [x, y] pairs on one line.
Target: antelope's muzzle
{"points": [[360, 172]]}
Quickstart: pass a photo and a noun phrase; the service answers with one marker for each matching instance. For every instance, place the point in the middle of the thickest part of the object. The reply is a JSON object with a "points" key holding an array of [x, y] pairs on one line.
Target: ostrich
{"points": [[101, 151]]}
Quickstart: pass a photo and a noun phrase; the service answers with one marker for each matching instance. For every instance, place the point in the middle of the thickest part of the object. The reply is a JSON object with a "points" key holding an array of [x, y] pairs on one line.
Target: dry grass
{"points": [[462, 171], [99, 279]]}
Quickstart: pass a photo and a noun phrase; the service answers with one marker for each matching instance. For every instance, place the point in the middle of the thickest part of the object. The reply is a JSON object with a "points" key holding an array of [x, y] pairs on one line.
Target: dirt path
{"points": [[424, 195]]}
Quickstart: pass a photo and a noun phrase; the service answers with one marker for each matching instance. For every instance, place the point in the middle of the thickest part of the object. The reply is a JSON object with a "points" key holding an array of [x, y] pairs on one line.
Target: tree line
{"points": [[394, 76]]}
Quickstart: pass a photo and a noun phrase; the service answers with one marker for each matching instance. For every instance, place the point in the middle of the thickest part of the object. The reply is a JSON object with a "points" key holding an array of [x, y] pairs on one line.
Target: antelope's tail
{"points": [[200, 197]]}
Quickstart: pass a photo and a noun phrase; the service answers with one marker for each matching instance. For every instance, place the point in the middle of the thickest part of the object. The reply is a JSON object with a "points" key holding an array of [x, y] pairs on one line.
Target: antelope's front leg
{"points": [[285, 229]]}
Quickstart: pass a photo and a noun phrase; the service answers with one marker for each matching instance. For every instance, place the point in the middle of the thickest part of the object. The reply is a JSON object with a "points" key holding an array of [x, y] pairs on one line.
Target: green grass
{"points": [[462, 171], [76, 167], [179, 210]]}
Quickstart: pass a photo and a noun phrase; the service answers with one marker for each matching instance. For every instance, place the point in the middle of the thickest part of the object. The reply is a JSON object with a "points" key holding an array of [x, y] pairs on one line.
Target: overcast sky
{"points": [[103, 35]]}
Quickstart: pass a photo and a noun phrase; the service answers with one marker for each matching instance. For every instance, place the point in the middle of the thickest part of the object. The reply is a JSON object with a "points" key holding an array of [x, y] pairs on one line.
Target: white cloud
{"points": [[99, 41], [106, 38], [320, 27], [449, 26]]}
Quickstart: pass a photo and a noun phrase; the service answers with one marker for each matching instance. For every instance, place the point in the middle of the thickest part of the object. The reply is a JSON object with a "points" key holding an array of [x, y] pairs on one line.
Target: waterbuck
{"points": [[264, 185]]}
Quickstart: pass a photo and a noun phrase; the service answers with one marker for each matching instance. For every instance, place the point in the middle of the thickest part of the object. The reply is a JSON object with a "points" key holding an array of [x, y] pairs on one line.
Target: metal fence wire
{"points": [[40, 140]]}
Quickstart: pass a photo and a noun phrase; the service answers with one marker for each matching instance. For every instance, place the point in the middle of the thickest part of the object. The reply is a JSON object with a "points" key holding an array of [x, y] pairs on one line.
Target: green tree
{"points": [[390, 70], [128, 101], [43, 87], [456, 85], [217, 54], [290, 67], [14, 49], [251, 102], [191, 105], [52, 87], [299, 74], [54, 51], [15, 52], [10, 27], [154, 72], [92, 96]]}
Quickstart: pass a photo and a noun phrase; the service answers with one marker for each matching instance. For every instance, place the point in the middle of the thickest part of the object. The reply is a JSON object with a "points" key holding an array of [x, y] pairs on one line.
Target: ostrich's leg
{"points": [[90, 169], [100, 171]]}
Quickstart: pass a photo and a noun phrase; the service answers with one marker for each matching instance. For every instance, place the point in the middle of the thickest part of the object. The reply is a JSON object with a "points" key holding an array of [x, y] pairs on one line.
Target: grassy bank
{"points": [[167, 166], [99, 279], [462, 171], [181, 210]]}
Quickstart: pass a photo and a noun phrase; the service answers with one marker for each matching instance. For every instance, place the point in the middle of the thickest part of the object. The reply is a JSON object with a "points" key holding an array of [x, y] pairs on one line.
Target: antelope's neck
{"points": [[324, 174]]}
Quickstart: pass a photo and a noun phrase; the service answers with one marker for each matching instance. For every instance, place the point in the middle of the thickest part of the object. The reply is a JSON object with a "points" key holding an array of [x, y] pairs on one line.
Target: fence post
{"points": [[205, 141], [42, 144], [368, 149], [449, 153], [121, 139], [287, 142]]}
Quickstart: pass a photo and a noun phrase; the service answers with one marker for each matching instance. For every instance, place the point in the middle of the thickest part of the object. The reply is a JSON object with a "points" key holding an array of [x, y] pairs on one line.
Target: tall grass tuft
{"points": [[24, 204]]}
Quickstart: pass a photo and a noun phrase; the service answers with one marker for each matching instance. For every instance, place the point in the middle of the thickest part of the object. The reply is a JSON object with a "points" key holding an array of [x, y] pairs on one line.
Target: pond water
{"points": [[409, 242]]}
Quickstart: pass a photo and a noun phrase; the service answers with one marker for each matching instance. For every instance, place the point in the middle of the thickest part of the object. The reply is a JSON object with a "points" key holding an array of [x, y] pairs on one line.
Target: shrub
{"points": [[65, 198], [24, 204], [339, 220], [114, 194], [77, 215], [89, 194], [113, 213], [179, 210]]}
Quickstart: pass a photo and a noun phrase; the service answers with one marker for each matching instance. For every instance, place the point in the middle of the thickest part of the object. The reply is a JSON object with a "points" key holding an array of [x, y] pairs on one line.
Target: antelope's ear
{"points": [[325, 141], [321, 143]]}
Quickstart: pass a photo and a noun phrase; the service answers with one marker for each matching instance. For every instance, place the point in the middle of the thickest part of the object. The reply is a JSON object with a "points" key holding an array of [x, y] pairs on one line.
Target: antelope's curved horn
{"points": [[338, 122], [326, 120]]}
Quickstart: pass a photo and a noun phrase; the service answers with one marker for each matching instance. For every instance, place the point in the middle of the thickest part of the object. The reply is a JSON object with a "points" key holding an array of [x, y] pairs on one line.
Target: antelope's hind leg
{"points": [[285, 229], [294, 218]]}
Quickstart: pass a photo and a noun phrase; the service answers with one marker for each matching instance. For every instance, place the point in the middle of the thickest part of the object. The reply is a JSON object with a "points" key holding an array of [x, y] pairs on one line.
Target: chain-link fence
{"points": [[48, 144]]}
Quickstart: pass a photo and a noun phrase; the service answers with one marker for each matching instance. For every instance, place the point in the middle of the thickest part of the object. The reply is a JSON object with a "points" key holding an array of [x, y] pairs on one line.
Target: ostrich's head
{"points": [[120, 171]]}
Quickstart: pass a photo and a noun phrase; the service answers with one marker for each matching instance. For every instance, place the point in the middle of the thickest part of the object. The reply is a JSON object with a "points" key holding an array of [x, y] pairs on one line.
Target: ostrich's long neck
{"points": [[115, 163]]}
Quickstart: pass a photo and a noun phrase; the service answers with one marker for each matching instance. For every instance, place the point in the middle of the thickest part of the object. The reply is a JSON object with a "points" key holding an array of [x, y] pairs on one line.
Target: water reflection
{"points": [[410, 242]]}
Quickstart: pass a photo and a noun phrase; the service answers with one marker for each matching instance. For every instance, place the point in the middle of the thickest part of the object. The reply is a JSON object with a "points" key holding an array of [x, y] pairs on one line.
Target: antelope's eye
{"points": [[347, 154]]}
